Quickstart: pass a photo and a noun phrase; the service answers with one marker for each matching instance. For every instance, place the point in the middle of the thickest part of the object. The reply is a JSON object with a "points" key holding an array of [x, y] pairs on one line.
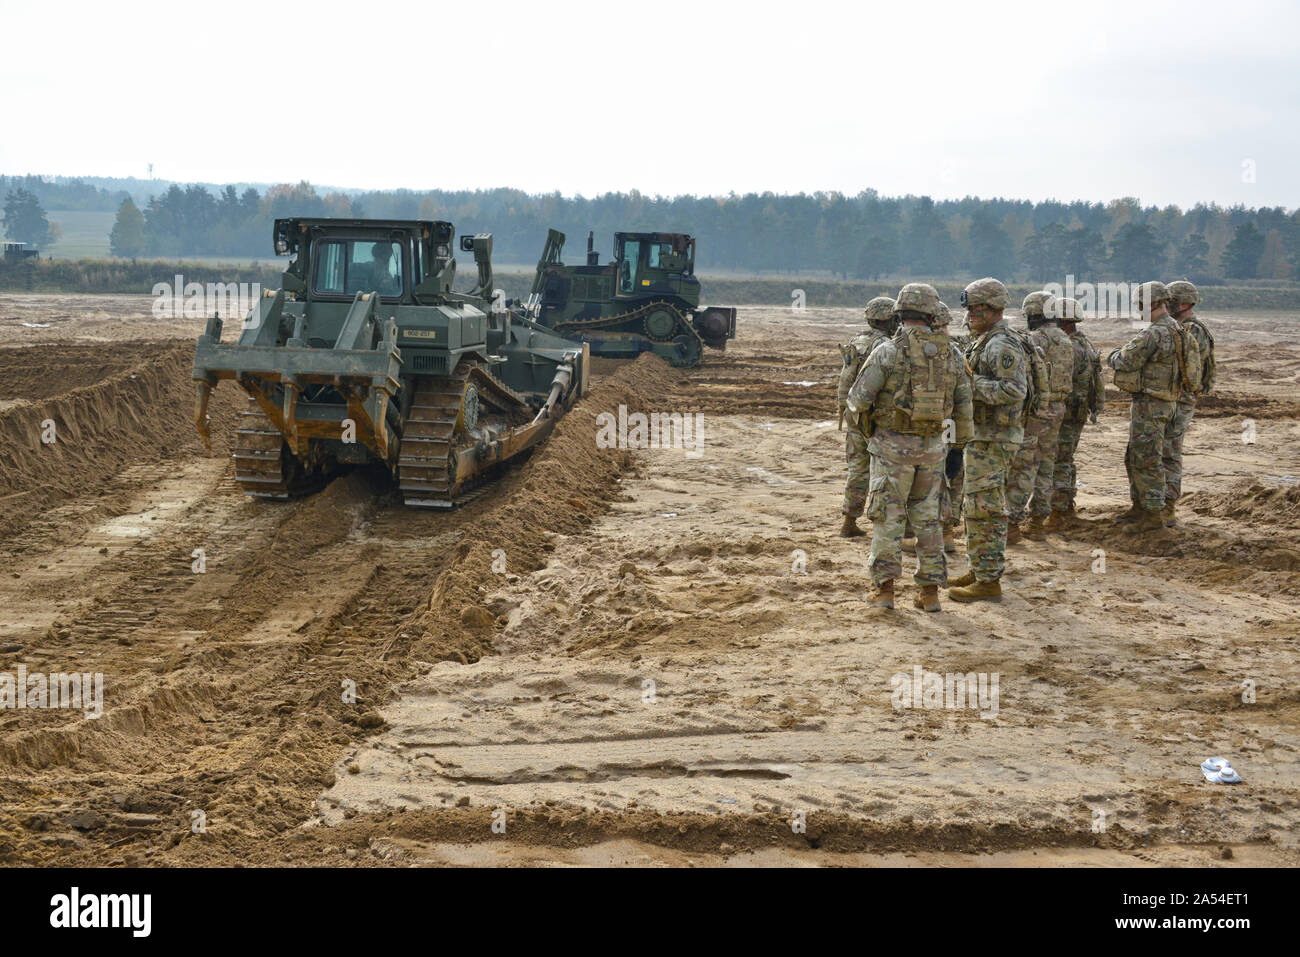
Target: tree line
{"points": [[866, 236]]}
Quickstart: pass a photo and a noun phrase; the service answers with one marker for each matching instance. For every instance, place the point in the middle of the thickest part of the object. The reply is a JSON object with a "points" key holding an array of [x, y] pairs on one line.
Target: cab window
{"points": [[346, 267], [631, 265]]}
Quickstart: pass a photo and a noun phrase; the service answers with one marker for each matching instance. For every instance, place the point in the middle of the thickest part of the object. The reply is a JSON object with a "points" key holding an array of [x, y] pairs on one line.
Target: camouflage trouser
{"points": [[905, 482], [1024, 470], [1049, 441], [855, 490], [1173, 453], [1064, 481], [985, 507], [1151, 426]]}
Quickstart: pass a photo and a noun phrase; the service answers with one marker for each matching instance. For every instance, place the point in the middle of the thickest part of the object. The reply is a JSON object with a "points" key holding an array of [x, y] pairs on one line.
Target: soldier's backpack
{"points": [[1188, 355], [1038, 380], [927, 376], [1208, 365]]}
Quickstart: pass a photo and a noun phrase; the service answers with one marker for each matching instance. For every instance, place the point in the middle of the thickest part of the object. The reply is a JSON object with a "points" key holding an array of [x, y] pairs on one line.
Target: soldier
{"points": [[1151, 367], [953, 471], [881, 324], [912, 390], [999, 369], [1029, 483], [1183, 297], [1084, 403]]}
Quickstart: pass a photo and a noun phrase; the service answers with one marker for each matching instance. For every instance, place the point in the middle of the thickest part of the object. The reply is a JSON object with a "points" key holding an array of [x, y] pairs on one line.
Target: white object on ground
{"points": [[1219, 771]]}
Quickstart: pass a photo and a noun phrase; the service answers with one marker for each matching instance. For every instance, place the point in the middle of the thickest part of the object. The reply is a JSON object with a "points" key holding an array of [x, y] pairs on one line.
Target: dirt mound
{"points": [[562, 489], [1253, 502], [1227, 404], [124, 415]]}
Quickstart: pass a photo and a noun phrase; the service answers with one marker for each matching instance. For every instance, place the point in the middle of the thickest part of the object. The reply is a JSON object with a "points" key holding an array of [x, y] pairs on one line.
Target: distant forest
{"points": [[866, 236]]}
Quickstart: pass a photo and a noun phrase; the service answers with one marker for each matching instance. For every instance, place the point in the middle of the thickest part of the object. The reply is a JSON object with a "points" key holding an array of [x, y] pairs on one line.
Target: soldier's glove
{"points": [[1092, 417]]}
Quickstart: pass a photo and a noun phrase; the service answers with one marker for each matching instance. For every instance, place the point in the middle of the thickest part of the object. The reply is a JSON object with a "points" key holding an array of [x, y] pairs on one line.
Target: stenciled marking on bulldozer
{"points": [[367, 354]]}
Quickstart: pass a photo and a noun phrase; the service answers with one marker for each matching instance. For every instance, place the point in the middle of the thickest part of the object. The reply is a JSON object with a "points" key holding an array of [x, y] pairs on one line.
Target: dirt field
{"points": [[639, 657]]}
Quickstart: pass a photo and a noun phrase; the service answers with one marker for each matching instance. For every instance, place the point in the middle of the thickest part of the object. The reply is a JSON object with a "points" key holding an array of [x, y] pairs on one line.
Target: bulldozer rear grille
{"points": [[432, 364]]}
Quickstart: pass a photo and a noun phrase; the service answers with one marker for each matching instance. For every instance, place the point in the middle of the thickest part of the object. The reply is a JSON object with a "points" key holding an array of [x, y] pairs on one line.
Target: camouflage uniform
{"points": [[1183, 293], [1151, 359], [1086, 399], [1034, 466], [999, 385], [855, 443], [907, 457]]}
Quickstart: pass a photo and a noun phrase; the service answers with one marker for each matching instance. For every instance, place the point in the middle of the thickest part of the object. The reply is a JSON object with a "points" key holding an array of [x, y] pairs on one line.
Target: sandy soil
{"points": [[628, 657]]}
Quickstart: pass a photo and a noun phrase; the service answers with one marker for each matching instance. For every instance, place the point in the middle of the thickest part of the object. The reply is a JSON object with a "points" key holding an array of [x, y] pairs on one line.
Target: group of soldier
{"points": [[982, 425]]}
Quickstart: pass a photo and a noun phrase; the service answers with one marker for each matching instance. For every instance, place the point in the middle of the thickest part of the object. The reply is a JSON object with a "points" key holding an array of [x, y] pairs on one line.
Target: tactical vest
{"points": [[925, 374], [1060, 365], [1164, 375], [855, 353], [1000, 417]]}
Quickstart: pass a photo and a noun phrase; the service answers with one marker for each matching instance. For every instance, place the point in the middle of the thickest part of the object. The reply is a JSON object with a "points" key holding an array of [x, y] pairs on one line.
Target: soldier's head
{"points": [[1036, 307], [1152, 300], [917, 304], [1183, 297], [984, 300], [942, 317], [880, 314], [1068, 312]]}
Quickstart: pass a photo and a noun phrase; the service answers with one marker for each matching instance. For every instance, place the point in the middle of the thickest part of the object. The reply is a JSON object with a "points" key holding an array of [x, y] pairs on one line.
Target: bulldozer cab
{"points": [[644, 259], [335, 259]]}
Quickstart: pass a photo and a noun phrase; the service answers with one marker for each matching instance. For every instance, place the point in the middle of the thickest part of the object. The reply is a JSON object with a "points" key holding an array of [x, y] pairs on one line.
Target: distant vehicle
{"points": [[646, 299], [17, 252]]}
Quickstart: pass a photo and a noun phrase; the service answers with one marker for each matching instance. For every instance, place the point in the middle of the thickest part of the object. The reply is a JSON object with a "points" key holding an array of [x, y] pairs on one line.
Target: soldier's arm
{"points": [[1134, 355], [963, 409], [1008, 384], [870, 380], [1208, 364]]}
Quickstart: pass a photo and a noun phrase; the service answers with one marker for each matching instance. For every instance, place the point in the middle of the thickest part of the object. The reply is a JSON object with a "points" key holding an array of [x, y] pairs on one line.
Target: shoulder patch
{"points": [[1008, 360]]}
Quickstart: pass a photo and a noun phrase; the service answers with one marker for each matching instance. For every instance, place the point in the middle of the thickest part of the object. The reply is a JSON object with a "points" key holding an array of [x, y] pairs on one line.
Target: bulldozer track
{"points": [[692, 344], [259, 462], [436, 427]]}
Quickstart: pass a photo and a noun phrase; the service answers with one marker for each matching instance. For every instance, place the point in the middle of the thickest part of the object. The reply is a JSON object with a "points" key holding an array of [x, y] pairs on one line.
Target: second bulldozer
{"points": [[646, 299]]}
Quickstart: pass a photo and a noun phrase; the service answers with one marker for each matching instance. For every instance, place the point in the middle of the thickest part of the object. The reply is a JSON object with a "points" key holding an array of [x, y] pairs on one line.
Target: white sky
{"points": [[1160, 100]]}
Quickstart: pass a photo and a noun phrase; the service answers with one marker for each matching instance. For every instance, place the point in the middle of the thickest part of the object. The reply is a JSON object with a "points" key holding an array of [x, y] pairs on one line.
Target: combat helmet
{"points": [[1184, 293], [879, 311], [985, 292], [942, 317], [1149, 295], [1036, 303], [1067, 310], [918, 297]]}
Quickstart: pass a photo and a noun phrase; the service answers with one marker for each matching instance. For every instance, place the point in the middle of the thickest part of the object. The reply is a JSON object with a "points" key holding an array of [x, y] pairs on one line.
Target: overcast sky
{"points": [[1169, 102]]}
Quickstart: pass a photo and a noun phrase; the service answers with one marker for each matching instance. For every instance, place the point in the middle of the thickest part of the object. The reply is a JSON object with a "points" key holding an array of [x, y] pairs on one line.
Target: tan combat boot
{"points": [[1014, 535], [927, 599], [1055, 522], [883, 596], [1132, 515], [1168, 517], [1151, 520], [966, 579], [850, 528], [980, 591], [1034, 530]]}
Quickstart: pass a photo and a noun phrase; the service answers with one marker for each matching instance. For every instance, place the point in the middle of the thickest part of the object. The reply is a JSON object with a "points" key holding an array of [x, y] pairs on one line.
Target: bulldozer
{"points": [[367, 355], [646, 299]]}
